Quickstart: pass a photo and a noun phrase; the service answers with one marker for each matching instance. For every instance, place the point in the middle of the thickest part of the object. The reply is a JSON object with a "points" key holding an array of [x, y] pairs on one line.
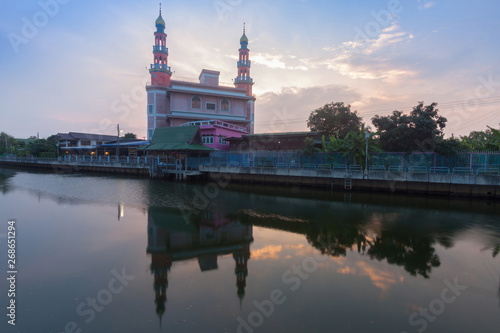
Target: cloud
{"points": [[425, 4], [277, 61], [370, 59], [288, 109]]}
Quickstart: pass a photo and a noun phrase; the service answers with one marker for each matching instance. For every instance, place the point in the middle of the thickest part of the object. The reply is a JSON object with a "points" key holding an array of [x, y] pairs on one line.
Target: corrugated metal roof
{"points": [[177, 138], [86, 136]]}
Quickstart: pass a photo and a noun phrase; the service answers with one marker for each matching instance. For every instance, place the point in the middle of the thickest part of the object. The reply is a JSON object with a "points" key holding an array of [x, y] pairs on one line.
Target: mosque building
{"points": [[221, 110]]}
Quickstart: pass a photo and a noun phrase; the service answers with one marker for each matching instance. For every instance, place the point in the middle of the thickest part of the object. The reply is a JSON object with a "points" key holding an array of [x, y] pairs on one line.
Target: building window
{"points": [[150, 108], [85, 143], [211, 106], [222, 140], [208, 139], [196, 102], [150, 133], [224, 105], [98, 142]]}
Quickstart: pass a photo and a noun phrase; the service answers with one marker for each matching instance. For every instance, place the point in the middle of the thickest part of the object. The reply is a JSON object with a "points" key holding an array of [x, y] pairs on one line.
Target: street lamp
{"points": [[367, 136]]}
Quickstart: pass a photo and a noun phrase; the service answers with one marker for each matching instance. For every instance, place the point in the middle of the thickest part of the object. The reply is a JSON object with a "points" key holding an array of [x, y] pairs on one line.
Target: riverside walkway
{"points": [[140, 166], [484, 182]]}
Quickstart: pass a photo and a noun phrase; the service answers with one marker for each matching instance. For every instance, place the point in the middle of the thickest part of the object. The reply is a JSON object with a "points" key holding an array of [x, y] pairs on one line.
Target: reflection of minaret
{"points": [[241, 270], [160, 265], [171, 240]]}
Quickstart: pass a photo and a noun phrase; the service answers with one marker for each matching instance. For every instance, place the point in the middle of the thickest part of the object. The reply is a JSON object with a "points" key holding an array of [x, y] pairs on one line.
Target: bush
{"points": [[48, 154]]}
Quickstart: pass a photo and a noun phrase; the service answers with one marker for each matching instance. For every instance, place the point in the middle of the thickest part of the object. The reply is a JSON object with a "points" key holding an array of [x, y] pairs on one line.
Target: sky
{"points": [[81, 66]]}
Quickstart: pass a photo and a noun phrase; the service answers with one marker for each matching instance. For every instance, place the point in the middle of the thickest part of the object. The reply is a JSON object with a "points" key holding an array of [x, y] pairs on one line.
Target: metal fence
{"points": [[473, 163]]}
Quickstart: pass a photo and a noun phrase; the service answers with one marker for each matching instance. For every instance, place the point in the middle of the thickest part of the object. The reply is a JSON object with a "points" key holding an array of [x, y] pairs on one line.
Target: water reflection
{"points": [[207, 237], [385, 255]]}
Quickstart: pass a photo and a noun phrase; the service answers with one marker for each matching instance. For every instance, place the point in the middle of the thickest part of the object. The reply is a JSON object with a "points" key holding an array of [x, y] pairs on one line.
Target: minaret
{"points": [[243, 80], [160, 71], [241, 270], [160, 265]]}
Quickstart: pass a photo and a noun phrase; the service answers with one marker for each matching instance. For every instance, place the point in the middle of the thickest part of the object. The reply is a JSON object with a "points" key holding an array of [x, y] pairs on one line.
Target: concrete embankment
{"points": [[58, 167], [466, 185]]}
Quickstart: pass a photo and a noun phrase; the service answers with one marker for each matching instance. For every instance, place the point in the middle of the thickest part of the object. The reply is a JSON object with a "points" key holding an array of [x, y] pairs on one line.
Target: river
{"points": [[117, 254]]}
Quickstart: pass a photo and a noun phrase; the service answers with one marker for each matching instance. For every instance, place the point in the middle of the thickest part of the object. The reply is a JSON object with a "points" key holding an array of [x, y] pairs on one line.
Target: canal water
{"points": [[114, 254]]}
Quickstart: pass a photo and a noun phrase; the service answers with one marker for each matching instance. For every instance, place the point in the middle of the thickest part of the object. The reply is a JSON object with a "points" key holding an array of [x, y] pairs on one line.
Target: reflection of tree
{"points": [[334, 240], [412, 251], [5, 174]]}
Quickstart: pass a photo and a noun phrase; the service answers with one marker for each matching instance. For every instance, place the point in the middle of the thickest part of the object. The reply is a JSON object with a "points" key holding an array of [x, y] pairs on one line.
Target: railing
{"points": [[244, 63], [243, 79], [217, 123], [83, 160], [161, 66], [160, 48]]}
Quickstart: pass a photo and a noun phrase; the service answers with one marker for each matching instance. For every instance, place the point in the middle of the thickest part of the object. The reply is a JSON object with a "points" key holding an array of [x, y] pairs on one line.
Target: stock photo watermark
{"points": [[88, 310], [224, 7], [32, 24], [11, 272], [420, 320], [292, 279]]}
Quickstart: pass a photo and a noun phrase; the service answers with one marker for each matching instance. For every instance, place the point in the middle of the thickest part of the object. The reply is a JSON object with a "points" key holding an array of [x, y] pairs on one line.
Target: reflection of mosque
{"points": [[171, 238]]}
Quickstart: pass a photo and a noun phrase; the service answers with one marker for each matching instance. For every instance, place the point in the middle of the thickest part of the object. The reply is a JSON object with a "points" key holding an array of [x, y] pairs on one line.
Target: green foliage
{"points": [[48, 154], [333, 145], [355, 144], [309, 146], [494, 138], [130, 136], [37, 147], [481, 140], [450, 146], [334, 119], [53, 138], [7, 143], [406, 133]]}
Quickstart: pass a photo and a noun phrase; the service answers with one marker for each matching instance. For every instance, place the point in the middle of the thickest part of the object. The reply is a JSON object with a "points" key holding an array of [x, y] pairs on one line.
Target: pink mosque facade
{"points": [[222, 111]]}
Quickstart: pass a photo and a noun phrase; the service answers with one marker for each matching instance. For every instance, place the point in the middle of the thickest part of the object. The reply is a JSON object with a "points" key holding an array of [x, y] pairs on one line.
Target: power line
{"points": [[445, 105]]}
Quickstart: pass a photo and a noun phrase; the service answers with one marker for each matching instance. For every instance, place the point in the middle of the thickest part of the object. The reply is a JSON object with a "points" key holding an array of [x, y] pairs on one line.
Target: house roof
{"points": [[177, 138], [283, 135], [86, 136]]}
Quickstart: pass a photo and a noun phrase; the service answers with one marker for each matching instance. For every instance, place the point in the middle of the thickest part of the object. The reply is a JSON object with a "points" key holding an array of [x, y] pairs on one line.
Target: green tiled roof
{"points": [[177, 138]]}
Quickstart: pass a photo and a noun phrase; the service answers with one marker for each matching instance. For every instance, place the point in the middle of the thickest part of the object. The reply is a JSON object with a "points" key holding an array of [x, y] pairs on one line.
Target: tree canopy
{"points": [[418, 130], [130, 136], [334, 119]]}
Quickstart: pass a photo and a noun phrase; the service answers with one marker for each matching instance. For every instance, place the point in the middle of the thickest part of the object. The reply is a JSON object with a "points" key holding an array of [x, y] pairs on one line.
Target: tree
{"points": [[494, 138], [310, 146], [449, 146], [355, 144], [6, 142], [130, 136], [418, 130], [333, 145], [41, 146], [334, 119]]}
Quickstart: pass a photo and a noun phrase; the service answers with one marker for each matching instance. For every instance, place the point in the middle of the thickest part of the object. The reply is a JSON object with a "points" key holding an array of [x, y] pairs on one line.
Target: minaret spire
{"points": [[159, 69], [243, 80]]}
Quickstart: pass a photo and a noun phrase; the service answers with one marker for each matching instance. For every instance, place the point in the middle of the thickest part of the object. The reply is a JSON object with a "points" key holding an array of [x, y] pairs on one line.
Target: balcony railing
{"points": [[160, 48], [243, 79], [244, 63], [217, 123], [161, 66]]}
